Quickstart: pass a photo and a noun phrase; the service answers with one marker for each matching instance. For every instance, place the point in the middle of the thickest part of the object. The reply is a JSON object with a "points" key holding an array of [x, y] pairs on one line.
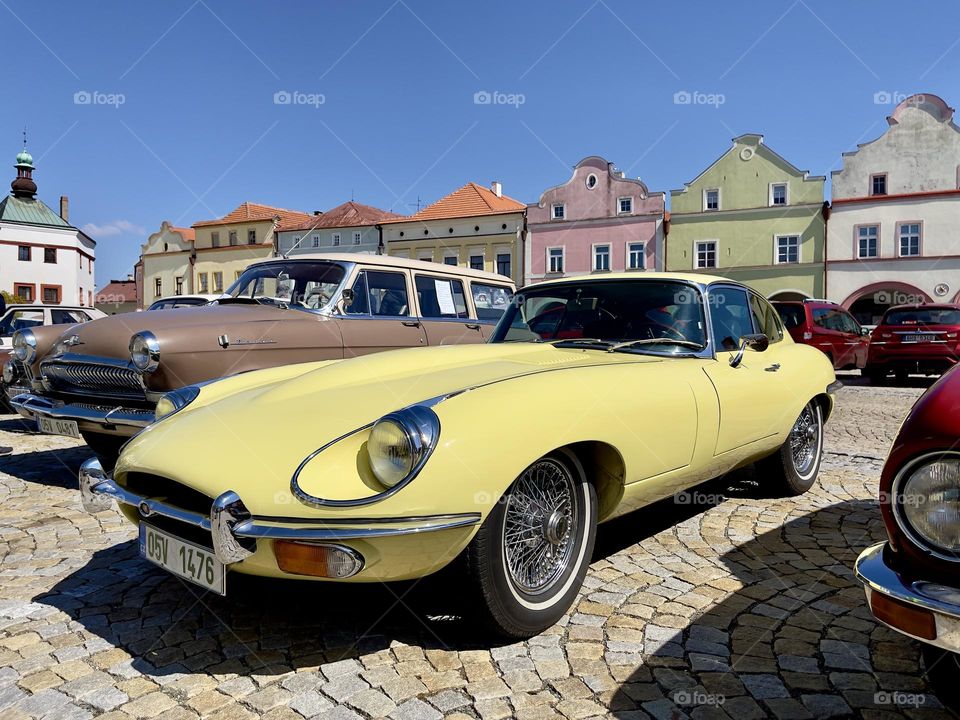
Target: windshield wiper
{"points": [[581, 341], [656, 341]]}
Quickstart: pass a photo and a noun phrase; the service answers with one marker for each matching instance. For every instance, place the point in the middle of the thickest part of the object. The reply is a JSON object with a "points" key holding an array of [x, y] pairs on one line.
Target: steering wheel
{"points": [[316, 298]]}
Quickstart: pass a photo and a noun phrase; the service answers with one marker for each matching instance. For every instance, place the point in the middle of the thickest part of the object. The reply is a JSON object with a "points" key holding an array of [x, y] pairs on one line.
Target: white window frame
{"points": [[696, 254], [357, 238], [593, 257], [786, 193], [857, 239], [776, 249], [719, 199], [451, 254], [563, 210], [620, 210], [473, 252], [900, 227], [643, 254], [422, 256], [335, 240], [563, 260]]}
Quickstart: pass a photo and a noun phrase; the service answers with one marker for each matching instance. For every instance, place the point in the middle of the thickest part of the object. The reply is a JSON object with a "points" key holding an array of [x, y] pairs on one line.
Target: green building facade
{"points": [[753, 217]]}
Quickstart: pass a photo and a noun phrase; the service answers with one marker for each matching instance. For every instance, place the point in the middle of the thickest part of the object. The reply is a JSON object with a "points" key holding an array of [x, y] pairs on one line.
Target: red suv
{"points": [[914, 339], [827, 327]]}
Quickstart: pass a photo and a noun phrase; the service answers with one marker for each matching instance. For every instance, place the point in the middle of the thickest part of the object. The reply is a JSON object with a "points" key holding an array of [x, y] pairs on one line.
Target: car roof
{"points": [[393, 261], [192, 296], [648, 275], [924, 306], [41, 306]]}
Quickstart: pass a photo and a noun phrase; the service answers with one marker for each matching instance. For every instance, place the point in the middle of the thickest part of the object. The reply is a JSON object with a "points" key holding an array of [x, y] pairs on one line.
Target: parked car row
{"points": [[909, 339]]}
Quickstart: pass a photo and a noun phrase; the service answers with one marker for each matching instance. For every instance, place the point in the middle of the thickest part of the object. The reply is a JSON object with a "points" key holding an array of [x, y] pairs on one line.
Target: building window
{"points": [[878, 184], [711, 199], [236, 275], [24, 292], [624, 205], [450, 260], [357, 238], [336, 239], [179, 289], [591, 181], [476, 262], [201, 283], [157, 287], [316, 241], [215, 239], [50, 256], [559, 211], [218, 282], [601, 257], [51, 294], [23, 253], [868, 241], [909, 234], [251, 237], [233, 237], [706, 254], [636, 256], [788, 249], [503, 264], [778, 194], [80, 294], [555, 260]]}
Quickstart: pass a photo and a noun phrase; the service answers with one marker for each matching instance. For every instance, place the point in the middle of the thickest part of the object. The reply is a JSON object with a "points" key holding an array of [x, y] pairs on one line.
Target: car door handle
{"points": [[411, 323], [772, 368], [472, 326]]}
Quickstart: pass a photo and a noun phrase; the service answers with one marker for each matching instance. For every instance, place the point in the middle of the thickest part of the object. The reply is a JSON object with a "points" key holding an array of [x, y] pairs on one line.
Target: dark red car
{"points": [[912, 581], [918, 339], [827, 327]]}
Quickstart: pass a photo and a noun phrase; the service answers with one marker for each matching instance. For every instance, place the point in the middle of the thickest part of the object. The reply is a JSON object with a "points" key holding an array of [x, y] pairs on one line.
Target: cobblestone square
{"points": [[721, 603]]}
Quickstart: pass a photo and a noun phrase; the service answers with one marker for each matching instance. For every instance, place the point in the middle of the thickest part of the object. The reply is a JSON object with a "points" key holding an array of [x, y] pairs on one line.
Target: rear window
{"points": [[922, 316], [490, 300], [792, 315]]}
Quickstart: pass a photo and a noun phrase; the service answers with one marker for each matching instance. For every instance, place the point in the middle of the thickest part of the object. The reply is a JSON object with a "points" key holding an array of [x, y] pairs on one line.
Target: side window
{"points": [[360, 304], [64, 317], [730, 317], [22, 319], [440, 297], [490, 300], [387, 293], [765, 318], [849, 324]]}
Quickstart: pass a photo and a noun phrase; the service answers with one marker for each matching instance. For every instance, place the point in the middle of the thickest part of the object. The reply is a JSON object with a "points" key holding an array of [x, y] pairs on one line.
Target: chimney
{"points": [[317, 212], [497, 188], [65, 208]]}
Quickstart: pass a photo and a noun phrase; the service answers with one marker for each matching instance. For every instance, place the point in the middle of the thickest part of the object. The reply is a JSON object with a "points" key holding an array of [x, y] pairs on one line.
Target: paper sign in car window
{"points": [[445, 297]]}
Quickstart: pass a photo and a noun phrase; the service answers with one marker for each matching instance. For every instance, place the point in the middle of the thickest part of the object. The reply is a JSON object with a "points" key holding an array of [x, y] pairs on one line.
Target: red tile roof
{"points": [[349, 214], [469, 201], [252, 212], [185, 233], [117, 291]]}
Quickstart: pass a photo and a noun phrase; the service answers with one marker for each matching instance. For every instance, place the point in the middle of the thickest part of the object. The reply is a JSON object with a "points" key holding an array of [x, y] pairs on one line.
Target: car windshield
{"points": [[923, 316], [174, 303], [792, 315], [634, 315], [298, 284]]}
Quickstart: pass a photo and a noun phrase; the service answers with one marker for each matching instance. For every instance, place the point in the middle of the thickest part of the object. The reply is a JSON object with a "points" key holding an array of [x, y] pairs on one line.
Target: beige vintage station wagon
{"points": [[101, 380]]}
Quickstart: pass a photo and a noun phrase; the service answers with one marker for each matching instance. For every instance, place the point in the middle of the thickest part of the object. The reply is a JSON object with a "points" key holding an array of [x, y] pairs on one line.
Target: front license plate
{"points": [[53, 426], [182, 558], [918, 338]]}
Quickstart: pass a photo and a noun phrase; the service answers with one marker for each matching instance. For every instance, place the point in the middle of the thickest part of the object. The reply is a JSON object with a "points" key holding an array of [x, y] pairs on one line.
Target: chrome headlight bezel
{"points": [[901, 495], [419, 427], [174, 401], [145, 351], [25, 346], [10, 372]]}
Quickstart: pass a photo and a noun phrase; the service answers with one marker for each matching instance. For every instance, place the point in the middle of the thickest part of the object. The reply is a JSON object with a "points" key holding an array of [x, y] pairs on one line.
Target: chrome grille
{"points": [[93, 378]]}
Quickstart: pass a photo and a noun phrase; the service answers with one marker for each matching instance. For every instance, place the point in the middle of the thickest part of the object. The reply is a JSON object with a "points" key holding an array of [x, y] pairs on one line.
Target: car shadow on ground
{"points": [[54, 468], [911, 381]]}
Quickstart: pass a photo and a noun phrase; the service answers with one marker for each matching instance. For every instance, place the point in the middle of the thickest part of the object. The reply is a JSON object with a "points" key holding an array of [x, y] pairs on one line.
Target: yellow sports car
{"points": [[596, 395]]}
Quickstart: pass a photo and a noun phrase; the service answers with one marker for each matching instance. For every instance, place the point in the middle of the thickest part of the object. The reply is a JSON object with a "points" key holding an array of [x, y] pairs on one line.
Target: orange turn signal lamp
{"points": [[329, 561], [911, 619]]}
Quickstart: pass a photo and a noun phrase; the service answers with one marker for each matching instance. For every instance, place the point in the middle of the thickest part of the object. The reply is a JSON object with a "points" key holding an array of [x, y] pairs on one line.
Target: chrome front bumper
{"points": [[940, 601], [86, 415], [229, 521]]}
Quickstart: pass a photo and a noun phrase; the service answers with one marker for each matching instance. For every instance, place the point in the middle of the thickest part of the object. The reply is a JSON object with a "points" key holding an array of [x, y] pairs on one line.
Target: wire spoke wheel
{"points": [[805, 441], [539, 526]]}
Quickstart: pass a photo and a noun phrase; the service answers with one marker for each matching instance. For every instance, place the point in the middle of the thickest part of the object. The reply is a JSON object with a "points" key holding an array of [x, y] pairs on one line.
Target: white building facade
{"points": [[43, 258], [892, 232]]}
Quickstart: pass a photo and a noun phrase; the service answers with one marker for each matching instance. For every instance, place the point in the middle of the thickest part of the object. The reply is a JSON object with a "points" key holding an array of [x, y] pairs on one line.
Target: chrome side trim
{"points": [[878, 577], [33, 406]]}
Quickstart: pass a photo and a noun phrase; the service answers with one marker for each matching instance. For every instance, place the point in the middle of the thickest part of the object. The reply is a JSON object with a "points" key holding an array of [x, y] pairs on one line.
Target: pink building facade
{"points": [[598, 221]]}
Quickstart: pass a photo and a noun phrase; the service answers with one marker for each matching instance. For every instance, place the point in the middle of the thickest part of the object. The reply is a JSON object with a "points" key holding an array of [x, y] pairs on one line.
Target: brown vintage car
{"points": [[102, 380]]}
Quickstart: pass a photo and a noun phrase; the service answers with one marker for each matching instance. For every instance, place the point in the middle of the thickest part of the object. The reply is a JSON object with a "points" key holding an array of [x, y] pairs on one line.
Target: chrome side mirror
{"points": [[347, 297], [757, 342]]}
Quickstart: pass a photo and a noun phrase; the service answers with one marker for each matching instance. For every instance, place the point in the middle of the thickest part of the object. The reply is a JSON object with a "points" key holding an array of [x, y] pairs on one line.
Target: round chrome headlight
{"points": [[927, 504], [25, 346], [145, 351], [176, 400], [9, 372], [400, 443]]}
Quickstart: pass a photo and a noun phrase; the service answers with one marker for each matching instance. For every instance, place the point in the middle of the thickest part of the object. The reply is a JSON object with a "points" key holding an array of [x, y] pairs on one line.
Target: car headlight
{"points": [[25, 346], [400, 443], [9, 372], [176, 400], [928, 503], [145, 351]]}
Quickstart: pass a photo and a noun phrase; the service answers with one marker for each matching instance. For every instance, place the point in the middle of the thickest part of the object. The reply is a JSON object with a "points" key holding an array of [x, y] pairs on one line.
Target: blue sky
{"points": [[143, 112]]}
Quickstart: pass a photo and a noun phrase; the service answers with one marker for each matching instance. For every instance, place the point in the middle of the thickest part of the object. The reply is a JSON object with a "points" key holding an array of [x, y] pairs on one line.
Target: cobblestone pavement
{"points": [[742, 606]]}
